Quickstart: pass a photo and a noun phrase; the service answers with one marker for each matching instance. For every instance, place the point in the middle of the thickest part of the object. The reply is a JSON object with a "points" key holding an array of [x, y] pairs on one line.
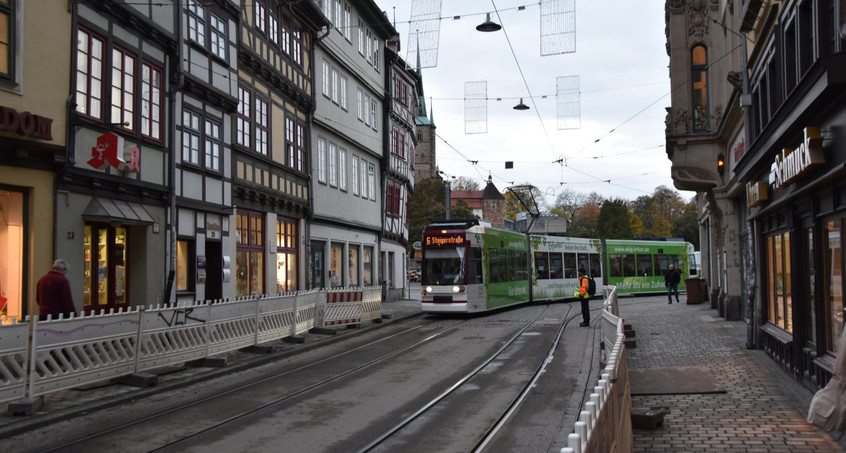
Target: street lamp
{"points": [[488, 25], [447, 193]]}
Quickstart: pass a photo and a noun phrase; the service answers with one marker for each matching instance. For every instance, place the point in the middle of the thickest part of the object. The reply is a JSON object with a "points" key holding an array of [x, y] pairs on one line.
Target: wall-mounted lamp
{"points": [[521, 106], [488, 25]]}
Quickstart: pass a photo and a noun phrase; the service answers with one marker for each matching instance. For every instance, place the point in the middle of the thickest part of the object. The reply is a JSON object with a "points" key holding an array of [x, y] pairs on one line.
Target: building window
{"points": [[151, 101], [353, 265], [127, 90], [300, 163], [374, 123], [89, 74], [261, 124], [347, 22], [342, 169], [191, 137], [366, 107], [342, 92], [249, 254], [219, 45], [185, 256], [779, 295], [316, 264], [7, 39], [213, 145], [123, 88], [285, 35], [336, 265], [699, 78], [335, 85], [354, 175], [242, 135], [333, 164], [363, 177], [197, 22], [260, 15], [367, 266], [327, 71], [393, 203], [371, 181], [273, 24], [361, 37], [297, 45], [321, 160], [286, 255], [359, 97], [105, 272], [833, 267]]}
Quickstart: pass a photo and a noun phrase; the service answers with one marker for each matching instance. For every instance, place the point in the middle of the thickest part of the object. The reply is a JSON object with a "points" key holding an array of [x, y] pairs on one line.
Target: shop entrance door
{"points": [[214, 270], [106, 276]]}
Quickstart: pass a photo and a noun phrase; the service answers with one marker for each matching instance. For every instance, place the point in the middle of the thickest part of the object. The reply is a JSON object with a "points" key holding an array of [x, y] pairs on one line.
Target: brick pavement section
{"points": [[757, 413]]}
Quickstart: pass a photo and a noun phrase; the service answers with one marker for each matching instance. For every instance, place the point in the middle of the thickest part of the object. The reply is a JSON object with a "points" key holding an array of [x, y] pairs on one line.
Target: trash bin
{"points": [[694, 290]]}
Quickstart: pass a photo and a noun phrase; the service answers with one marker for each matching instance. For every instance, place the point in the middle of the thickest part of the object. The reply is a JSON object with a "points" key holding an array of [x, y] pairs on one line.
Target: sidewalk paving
{"points": [[763, 408]]}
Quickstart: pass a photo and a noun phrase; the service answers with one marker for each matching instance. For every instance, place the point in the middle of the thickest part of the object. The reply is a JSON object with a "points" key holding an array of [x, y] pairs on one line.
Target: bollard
{"points": [[605, 388], [591, 407], [596, 398], [574, 440], [584, 417]]}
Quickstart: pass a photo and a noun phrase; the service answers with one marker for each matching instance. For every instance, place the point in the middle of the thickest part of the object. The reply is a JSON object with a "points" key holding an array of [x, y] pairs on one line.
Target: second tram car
{"points": [[469, 267]]}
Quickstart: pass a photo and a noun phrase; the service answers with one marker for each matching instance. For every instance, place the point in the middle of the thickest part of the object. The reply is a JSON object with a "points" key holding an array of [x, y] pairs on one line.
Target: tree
{"points": [[614, 221], [567, 203], [464, 183], [687, 226], [428, 203]]}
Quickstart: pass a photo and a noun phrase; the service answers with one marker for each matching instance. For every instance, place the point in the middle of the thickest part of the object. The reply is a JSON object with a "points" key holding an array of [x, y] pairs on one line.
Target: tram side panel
{"points": [[638, 266], [556, 261]]}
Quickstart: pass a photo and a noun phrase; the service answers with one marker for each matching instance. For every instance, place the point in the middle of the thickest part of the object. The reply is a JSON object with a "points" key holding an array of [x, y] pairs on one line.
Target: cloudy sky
{"points": [[617, 148]]}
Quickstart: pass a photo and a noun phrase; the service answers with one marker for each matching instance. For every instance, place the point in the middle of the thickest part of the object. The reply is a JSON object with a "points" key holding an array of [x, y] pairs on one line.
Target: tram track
{"points": [[228, 410], [89, 442], [483, 440]]}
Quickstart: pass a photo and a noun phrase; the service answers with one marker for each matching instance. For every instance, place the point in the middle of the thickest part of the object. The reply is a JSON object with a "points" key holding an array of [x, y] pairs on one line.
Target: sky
{"points": [[616, 147]]}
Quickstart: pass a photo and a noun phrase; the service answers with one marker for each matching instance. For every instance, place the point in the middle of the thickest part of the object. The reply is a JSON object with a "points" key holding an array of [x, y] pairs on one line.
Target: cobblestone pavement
{"points": [[763, 408]]}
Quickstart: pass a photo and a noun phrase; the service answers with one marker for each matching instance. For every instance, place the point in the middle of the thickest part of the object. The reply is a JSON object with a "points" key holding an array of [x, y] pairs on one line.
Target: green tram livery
{"points": [[470, 267]]}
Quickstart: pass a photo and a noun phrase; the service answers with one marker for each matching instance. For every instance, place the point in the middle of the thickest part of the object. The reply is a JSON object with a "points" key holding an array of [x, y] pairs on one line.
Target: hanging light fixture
{"points": [[488, 25], [521, 106]]}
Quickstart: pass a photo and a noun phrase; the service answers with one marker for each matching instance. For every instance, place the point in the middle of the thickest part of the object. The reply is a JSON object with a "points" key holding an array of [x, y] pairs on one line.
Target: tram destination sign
{"points": [[449, 240]]}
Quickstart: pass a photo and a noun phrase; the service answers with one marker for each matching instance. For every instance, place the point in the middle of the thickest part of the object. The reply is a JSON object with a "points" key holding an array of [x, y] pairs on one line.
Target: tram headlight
{"points": [[458, 289], [427, 289]]}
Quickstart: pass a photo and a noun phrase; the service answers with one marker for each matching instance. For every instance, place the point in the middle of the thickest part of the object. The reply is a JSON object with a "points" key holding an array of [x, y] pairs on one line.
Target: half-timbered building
{"points": [[271, 181]]}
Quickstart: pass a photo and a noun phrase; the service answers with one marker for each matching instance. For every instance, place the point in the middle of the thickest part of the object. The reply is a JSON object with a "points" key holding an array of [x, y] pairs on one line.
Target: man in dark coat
{"points": [[671, 281], [53, 292]]}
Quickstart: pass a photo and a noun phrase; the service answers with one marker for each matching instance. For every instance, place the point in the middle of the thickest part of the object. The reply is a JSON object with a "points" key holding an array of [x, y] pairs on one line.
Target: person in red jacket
{"points": [[53, 292]]}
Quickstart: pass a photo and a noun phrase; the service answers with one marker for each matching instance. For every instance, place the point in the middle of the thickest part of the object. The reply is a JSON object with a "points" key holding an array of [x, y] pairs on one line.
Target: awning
{"points": [[117, 212]]}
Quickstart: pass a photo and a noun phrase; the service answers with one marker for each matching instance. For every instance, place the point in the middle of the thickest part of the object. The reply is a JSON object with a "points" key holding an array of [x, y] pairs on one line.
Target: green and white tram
{"points": [[470, 267], [638, 267]]}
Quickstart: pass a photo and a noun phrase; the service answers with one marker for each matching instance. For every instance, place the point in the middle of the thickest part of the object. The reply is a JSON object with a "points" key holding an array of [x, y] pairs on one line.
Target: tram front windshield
{"points": [[443, 267]]}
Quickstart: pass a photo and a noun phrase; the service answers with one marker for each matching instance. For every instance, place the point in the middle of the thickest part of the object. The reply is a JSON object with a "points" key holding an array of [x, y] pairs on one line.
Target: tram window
{"points": [[499, 265], [584, 261], [443, 267], [662, 264], [520, 265], [595, 266], [556, 269], [542, 265], [616, 262], [629, 266], [570, 268], [474, 265], [644, 265]]}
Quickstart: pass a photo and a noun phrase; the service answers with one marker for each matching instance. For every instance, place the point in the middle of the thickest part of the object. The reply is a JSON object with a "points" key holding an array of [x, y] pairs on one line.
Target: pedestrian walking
{"points": [[671, 280], [584, 297], [53, 292]]}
